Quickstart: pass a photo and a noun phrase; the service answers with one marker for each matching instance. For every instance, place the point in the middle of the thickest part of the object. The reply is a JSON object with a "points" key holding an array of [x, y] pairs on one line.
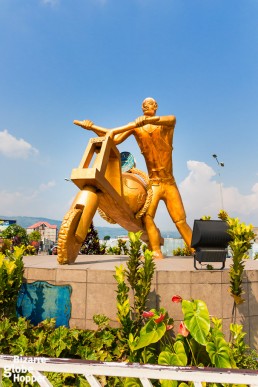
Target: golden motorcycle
{"points": [[115, 187]]}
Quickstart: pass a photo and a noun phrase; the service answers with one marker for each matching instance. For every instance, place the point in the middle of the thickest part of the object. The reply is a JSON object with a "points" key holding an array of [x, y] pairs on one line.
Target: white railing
{"points": [[17, 366]]}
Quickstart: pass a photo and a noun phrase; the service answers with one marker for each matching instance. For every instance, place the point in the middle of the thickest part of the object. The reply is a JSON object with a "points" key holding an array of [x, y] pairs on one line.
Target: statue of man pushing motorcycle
{"points": [[154, 135]]}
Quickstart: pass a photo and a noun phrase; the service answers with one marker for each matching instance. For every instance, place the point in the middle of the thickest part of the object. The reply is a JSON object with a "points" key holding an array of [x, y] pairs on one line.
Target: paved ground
{"points": [[108, 262]]}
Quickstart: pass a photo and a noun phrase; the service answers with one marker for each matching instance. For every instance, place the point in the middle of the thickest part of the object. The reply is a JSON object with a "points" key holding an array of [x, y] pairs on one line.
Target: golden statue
{"points": [[154, 136]]}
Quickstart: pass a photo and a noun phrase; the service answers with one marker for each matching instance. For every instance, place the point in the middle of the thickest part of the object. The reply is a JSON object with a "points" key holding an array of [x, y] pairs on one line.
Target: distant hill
{"points": [[26, 221], [113, 232]]}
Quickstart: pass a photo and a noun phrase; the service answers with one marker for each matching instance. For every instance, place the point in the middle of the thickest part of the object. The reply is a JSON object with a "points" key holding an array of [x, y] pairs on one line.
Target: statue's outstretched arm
{"points": [[118, 134], [87, 124], [167, 121]]}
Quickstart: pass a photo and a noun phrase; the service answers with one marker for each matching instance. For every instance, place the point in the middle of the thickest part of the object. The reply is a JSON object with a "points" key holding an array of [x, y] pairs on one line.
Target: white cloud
{"points": [[46, 186], [201, 193], [25, 203], [12, 147]]}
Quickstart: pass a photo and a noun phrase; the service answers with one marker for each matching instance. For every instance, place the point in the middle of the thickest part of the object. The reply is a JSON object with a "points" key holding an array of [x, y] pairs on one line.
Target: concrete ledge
{"points": [[93, 288]]}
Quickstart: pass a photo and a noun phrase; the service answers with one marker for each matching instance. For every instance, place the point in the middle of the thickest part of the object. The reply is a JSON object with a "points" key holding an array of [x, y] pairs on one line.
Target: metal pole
{"points": [[220, 164]]}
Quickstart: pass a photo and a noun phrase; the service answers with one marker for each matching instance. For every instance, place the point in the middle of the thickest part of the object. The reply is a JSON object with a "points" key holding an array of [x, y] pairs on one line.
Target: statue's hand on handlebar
{"points": [[86, 124], [110, 133], [143, 120]]}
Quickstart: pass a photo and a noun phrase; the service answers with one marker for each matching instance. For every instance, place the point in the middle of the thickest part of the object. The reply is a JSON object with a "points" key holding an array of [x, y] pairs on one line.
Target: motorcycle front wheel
{"points": [[68, 246]]}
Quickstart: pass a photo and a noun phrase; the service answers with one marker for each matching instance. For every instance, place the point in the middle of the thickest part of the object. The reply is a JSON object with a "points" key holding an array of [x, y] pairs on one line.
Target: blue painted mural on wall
{"points": [[40, 300]]}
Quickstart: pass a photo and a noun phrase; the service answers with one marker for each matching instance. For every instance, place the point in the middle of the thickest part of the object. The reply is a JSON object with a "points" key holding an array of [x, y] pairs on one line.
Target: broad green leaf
{"points": [[168, 383], [120, 274], [132, 236], [180, 354], [132, 382], [82, 382], [178, 358], [201, 356], [196, 319], [219, 353], [166, 358], [239, 385], [150, 333]]}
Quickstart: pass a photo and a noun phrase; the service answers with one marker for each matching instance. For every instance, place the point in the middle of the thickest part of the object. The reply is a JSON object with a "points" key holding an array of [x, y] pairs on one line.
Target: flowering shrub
{"points": [[176, 299], [199, 341]]}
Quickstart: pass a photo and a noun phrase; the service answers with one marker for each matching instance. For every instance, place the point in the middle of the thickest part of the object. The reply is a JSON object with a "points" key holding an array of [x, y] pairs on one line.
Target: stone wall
{"points": [[94, 286]]}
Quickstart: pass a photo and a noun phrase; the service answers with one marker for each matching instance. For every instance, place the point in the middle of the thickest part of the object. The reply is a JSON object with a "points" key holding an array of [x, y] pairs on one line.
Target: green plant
{"points": [[11, 274], [155, 331], [34, 236], [6, 246], [138, 274], [242, 236], [183, 251], [120, 249], [29, 250], [19, 337], [244, 357], [206, 217], [200, 342], [17, 234]]}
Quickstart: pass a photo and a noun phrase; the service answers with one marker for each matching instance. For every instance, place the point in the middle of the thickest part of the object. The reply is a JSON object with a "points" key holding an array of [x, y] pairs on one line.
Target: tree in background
{"points": [[16, 234], [34, 240], [91, 245], [34, 236]]}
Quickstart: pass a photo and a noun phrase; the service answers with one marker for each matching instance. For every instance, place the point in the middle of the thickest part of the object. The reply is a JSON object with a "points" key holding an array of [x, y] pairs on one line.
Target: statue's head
{"points": [[149, 106]]}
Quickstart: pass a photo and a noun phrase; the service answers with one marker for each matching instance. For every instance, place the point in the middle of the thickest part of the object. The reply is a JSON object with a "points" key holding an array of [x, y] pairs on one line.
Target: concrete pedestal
{"points": [[93, 288]]}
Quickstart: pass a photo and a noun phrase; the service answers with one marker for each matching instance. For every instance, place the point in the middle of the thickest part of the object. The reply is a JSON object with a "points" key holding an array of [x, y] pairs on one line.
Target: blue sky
{"points": [[98, 59]]}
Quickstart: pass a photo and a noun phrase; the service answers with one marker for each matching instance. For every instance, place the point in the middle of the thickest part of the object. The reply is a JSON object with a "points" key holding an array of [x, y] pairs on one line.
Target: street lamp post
{"points": [[220, 164]]}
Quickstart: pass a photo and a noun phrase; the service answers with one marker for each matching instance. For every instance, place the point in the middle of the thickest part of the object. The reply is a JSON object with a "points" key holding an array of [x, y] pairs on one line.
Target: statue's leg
{"points": [[151, 228], [185, 230], [176, 210]]}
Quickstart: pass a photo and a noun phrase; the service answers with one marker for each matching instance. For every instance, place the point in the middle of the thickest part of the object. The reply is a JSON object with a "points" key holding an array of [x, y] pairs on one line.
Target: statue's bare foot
{"points": [[158, 254]]}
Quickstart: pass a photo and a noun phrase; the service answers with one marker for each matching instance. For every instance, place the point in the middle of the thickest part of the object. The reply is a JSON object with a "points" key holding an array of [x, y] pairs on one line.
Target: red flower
{"points": [[147, 314], [183, 330], [169, 327], [160, 318], [176, 299]]}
